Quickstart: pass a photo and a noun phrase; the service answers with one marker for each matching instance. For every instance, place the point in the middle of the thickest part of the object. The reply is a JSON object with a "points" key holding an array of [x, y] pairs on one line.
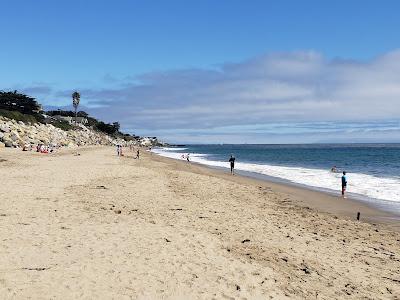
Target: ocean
{"points": [[373, 170]]}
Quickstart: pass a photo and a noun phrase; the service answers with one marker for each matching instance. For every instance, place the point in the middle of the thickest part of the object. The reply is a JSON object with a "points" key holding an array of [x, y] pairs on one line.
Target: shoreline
{"points": [[303, 195], [370, 181]]}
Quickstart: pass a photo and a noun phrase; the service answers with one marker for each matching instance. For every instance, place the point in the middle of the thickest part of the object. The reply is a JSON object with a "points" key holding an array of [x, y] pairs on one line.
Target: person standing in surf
{"points": [[344, 184], [232, 162]]}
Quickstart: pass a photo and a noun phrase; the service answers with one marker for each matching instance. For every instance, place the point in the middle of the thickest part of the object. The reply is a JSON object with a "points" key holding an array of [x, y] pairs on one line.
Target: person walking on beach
{"points": [[187, 157], [137, 154], [344, 184], [118, 153], [232, 162]]}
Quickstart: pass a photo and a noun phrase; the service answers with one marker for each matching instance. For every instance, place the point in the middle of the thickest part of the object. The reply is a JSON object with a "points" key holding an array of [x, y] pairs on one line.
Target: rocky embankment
{"points": [[18, 134]]}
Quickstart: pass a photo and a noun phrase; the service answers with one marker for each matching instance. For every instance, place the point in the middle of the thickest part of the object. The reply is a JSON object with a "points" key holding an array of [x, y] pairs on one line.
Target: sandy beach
{"points": [[98, 226]]}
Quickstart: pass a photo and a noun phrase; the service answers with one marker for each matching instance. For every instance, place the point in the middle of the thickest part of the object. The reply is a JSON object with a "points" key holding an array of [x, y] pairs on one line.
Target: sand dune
{"points": [[96, 226]]}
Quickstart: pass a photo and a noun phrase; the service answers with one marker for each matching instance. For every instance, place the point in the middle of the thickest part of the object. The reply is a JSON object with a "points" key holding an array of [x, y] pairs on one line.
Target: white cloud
{"points": [[279, 87]]}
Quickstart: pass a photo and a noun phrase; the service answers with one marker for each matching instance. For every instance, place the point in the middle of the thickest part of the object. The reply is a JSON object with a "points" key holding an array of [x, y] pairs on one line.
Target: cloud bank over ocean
{"points": [[277, 97]]}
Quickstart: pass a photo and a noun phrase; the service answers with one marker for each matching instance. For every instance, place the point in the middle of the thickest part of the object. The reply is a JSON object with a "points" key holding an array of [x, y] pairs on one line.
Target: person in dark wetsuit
{"points": [[344, 184], [232, 162]]}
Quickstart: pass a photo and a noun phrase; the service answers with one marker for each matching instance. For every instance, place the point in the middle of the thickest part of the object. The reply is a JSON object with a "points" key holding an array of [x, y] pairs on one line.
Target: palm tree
{"points": [[76, 97]]}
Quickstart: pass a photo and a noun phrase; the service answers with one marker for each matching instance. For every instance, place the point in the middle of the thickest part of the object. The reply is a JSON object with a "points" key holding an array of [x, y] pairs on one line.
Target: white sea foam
{"points": [[383, 188], [171, 149]]}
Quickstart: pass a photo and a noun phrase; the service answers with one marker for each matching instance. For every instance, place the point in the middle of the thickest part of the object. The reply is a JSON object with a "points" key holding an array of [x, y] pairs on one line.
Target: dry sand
{"points": [[96, 226]]}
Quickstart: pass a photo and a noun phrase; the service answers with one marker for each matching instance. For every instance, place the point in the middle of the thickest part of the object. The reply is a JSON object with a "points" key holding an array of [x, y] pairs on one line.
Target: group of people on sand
{"points": [[119, 151], [44, 149], [40, 148]]}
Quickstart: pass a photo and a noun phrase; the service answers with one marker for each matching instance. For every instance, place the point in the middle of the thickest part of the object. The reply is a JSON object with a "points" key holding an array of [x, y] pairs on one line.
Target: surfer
{"points": [[334, 170]]}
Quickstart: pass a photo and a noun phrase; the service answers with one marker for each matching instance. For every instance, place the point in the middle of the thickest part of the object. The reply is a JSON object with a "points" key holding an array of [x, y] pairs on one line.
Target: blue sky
{"points": [[213, 71]]}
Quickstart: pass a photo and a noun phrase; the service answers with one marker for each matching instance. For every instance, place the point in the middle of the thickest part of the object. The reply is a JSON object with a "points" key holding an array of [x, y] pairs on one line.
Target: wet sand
{"points": [[322, 201], [97, 226]]}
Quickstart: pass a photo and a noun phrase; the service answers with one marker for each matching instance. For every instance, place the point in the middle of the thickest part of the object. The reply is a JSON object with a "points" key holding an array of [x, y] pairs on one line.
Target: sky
{"points": [[213, 71]]}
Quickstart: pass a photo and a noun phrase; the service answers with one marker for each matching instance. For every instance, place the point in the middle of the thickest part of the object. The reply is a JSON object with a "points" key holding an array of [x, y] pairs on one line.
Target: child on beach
{"points": [[344, 184]]}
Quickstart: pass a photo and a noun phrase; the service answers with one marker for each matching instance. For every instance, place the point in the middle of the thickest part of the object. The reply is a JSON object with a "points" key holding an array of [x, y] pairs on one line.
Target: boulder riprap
{"points": [[18, 134]]}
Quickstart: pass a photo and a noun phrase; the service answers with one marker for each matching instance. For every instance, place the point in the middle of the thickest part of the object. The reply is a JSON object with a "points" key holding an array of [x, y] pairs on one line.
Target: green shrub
{"points": [[64, 125], [16, 115], [66, 113], [110, 129]]}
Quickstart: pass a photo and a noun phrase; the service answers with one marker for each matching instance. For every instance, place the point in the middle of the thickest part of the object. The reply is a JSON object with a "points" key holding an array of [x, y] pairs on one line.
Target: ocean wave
{"points": [[170, 149]]}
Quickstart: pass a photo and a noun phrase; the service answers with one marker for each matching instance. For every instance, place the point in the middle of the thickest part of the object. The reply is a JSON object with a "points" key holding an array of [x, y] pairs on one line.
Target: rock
{"points": [[14, 137], [306, 270], [5, 128], [8, 144], [13, 133]]}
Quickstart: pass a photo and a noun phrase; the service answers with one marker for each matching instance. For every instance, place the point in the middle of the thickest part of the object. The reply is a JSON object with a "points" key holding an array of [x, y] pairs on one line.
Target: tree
{"points": [[108, 128], [116, 126], [76, 97], [14, 101], [19, 106]]}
